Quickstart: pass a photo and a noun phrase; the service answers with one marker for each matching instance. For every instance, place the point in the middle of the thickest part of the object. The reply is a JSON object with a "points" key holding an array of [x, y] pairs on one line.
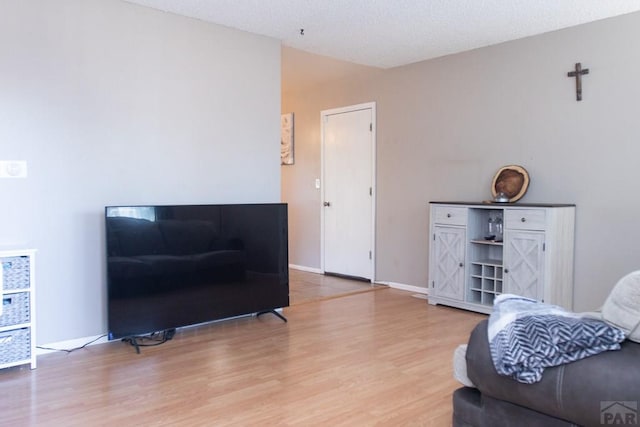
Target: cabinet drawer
{"points": [[525, 219], [449, 215]]}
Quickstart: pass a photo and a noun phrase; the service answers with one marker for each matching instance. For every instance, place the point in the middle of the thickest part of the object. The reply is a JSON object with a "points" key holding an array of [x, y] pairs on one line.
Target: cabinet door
{"points": [[524, 263], [448, 277]]}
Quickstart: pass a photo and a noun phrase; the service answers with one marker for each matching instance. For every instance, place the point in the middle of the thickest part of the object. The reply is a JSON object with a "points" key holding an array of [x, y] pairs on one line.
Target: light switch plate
{"points": [[13, 169]]}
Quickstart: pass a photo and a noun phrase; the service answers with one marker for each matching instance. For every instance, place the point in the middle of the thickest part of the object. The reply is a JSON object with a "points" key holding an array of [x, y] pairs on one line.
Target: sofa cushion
{"points": [[460, 366], [622, 307]]}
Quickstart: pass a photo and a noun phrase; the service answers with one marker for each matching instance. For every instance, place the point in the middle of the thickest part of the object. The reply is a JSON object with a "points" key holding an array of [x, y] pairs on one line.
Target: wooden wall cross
{"points": [[578, 75]]}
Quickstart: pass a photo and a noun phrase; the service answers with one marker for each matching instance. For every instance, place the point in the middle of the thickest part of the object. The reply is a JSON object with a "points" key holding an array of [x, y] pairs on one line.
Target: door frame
{"points": [[323, 115]]}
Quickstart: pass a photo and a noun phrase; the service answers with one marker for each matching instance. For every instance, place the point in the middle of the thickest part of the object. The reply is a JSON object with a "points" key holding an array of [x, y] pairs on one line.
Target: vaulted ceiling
{"points": [[390, 33]]}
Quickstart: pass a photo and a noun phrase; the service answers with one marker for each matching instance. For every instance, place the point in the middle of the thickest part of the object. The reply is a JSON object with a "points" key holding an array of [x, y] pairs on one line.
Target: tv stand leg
{"points": [[260, 313], [134, 342]]}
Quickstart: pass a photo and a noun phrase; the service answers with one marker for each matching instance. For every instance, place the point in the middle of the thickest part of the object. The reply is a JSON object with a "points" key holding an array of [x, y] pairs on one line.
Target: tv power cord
{"points": [[151, 340], [70, 350]]}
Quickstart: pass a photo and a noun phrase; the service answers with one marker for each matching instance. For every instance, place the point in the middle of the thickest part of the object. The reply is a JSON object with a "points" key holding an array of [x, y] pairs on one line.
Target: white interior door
{"points": [[348, 191]]}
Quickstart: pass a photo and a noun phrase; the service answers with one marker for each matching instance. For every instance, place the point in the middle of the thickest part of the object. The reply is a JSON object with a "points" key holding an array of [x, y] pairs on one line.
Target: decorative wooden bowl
{"points": [[512, 180]]}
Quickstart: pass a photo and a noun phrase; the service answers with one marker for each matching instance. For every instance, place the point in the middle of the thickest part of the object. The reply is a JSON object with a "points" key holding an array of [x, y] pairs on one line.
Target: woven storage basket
{"points": [[15, 309], [15, 345], [15, 272]]}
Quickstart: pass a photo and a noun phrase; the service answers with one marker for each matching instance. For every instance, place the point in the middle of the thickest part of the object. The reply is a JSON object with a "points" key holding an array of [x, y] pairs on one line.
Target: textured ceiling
{"points": [[389, 33]]}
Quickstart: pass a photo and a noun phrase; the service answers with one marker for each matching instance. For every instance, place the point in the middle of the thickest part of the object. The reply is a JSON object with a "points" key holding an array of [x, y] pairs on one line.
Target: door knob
{"points": [[327, 204]]}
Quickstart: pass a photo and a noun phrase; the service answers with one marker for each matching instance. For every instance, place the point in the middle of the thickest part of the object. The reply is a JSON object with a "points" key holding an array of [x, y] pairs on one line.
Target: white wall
{"points": [[112, 103], [446, 125]]}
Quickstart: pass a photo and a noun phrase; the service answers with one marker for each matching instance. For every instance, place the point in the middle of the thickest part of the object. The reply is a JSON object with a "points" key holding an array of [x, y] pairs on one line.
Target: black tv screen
{"points": [[174, 266]]}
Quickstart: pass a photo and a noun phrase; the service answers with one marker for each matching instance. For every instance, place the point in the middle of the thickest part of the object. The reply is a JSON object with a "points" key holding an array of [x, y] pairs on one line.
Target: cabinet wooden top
{"points": [[516, 205]]}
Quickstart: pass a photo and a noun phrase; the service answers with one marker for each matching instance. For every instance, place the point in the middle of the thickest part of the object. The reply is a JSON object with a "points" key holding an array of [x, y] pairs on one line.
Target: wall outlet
{"points": [[13, 169]]}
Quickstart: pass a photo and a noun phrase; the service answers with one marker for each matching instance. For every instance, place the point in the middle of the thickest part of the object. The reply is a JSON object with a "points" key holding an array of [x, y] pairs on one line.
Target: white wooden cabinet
{"points": [[17, 319], [530, 253]]}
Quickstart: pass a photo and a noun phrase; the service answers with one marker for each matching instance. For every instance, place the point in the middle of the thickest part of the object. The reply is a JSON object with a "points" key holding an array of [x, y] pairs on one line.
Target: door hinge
{"points": [[544, 246], [370, 127], [370, 255], [433, 284], [371, 191], [434, 237]]}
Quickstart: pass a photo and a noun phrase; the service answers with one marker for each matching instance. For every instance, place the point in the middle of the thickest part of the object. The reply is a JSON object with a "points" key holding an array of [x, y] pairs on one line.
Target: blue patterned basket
{"points": [[15, 345], [15, 309], [15, 271]]}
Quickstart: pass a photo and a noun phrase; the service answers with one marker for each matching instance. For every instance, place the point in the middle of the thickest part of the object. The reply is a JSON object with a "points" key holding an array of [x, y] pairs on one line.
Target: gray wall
{"points": [[112, 103], [446, 125]]}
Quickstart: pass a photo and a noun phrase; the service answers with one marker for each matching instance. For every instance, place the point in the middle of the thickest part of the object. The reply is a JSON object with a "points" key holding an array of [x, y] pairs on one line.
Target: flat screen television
{"points": [[174, 266]]}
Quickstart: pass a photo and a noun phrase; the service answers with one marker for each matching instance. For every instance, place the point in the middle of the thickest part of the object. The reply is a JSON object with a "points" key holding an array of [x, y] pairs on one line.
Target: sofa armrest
{"points": [[573, 391]]}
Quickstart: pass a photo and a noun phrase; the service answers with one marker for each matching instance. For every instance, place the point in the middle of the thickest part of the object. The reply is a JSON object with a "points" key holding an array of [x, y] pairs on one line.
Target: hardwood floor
{"points": [[307, 287], [371, 358]]}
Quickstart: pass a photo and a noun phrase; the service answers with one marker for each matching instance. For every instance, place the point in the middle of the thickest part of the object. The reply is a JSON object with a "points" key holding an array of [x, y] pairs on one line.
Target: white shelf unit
{"points": [[530, 255], [17, 320], [485, 254]]}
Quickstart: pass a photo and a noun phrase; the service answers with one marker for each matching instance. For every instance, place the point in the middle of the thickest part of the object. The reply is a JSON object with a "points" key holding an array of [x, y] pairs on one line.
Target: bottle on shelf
{"points": [[491, 234], [498, 227]]}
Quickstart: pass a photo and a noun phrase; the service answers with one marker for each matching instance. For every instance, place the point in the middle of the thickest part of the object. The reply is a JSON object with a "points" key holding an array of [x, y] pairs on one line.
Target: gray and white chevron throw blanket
{"points": [[527, 336]]}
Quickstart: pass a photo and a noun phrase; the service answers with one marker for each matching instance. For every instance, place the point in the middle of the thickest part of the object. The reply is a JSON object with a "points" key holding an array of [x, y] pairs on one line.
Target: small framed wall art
{"points": [[286, 139]]}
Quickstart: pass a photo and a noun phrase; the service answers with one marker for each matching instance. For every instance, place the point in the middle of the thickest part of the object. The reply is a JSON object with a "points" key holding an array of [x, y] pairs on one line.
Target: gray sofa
{"points": [[599, 390]]}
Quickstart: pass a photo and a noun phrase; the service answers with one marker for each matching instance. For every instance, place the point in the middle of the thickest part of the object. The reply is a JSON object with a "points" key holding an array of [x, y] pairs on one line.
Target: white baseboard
{"points": [[395, 285], [71, 344], [307, 269], [403, 287]]}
